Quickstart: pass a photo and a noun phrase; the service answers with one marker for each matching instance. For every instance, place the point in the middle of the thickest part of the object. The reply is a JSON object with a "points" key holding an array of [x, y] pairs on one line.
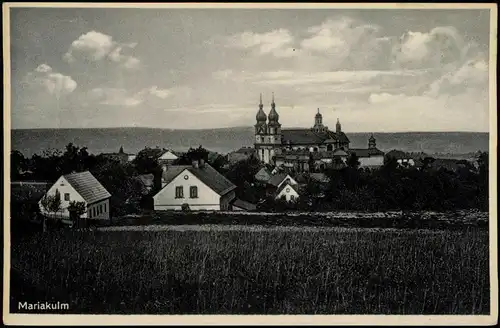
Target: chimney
{"points": [[195, 164]]}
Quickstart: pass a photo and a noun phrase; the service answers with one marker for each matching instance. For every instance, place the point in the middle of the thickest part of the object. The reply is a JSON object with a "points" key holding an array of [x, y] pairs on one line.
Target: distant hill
{"points": [[224, 140]]}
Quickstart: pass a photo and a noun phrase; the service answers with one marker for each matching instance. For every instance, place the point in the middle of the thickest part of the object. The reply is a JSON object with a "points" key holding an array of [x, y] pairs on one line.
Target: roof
{"points": [[308, 136], [366, 152], [277, 179], [245, 150], [146, 179], [87, 186], [283, 186], [398, 154], [244, 204], [168, 154], [207, 174], [339, 152], [320, 177]]}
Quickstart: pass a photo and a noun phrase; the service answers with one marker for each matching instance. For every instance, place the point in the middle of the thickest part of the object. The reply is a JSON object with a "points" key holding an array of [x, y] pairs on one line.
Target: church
{"points": [[307, 149]]}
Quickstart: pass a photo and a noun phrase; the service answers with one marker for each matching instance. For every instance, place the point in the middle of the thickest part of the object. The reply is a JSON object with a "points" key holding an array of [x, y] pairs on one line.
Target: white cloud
{"points": [[44, 78], [277, 42], [438, 47], [122, 97], [96, 46], [92, 45]]}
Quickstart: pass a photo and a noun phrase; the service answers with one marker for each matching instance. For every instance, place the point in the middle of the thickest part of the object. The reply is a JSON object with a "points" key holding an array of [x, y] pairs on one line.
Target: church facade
{"points": [[307, 149]]}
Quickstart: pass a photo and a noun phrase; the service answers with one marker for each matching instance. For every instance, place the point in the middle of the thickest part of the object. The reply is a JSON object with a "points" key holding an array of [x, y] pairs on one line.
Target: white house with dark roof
{"points": [[287, 191], [80, 187], [198, 185]]}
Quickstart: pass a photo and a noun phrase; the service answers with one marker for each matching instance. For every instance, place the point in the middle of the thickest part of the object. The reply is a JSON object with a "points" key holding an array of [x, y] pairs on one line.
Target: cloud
{"points": [[438, 47], [277, 42], [122, 97], [472, 75], [44, 78], [96, 46]]}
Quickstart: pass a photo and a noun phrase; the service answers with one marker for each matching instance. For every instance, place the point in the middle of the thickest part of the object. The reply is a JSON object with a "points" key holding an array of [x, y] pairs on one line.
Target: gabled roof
{"points": [[309, 136], [168, 154], [285, 185], [207, 174], [245, 150], [277, 179], [244, 204], [146, 179], [366, 152], [87, 186]]}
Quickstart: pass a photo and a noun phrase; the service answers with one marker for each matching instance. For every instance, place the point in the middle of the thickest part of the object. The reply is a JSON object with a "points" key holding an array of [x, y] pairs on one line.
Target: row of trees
{"points": [[390, 187]]}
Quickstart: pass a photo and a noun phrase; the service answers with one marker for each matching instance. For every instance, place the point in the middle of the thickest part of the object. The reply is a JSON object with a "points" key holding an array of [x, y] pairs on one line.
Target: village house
{"points": [[80, 187], [167, 158], [263, 175], [283, 185], [241, 205], [198, 186], [287, 191]]}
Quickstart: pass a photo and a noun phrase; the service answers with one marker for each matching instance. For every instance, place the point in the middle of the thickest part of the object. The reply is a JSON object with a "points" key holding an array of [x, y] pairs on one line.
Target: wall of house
{"points": [[371, 161], [207, 198], [64, 188], [288, 192], [226, 200], [98, 211]]}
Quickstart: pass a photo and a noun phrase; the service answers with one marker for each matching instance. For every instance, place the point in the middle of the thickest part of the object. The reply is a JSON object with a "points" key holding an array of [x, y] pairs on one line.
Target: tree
{"points": [[51, 204], [193, 154], [17, 164], [353, 161], [146, 160], [310, 163], [76, 210]]}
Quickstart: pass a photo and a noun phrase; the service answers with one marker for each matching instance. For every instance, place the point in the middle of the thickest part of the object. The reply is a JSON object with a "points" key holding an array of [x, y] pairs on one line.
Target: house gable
{"points": [[168, 155], [290, 180], [288, 191], [166, 199], [64, 187]]}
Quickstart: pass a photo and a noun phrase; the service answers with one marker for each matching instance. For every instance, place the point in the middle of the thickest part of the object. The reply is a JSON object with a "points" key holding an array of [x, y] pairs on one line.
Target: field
{"points": [[258, 271]]}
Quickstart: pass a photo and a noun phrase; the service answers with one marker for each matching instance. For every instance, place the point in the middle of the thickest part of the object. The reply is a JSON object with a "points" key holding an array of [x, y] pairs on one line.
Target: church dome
{"points": [[273, 115], [261, 116]]}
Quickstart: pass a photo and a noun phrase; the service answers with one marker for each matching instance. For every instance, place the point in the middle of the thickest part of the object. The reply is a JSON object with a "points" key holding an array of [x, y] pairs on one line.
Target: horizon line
{"points": [[236, 127]]}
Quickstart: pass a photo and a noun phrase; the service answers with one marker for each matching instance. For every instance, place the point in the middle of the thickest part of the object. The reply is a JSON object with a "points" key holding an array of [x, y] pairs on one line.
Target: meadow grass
{"points": [[359, 271]]}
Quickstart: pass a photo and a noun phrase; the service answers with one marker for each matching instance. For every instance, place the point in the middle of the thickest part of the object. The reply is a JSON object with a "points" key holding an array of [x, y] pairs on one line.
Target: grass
{"points": [[261, 272], [418, 220]]}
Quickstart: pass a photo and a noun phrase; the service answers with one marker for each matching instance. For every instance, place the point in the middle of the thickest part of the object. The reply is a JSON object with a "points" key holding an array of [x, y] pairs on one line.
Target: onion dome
{"points": [[261, 116], [273, 115]]}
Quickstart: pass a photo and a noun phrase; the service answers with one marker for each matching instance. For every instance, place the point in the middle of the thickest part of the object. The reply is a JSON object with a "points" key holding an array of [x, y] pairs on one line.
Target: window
{"points": [[105, 208], [90, 214], [193, 192], [100, 209], [66, 196], [179, 192], [292, 197], [93, 211]]}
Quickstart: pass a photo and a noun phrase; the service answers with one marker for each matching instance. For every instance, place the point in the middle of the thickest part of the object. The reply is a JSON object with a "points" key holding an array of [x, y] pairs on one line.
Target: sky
{"points": [[377, 70]]}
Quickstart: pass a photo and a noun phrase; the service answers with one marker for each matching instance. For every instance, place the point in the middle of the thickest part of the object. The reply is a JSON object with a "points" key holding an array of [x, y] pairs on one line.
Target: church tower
{"points": [[372, 143], [318, 123], [274, 133], [338, 127]]}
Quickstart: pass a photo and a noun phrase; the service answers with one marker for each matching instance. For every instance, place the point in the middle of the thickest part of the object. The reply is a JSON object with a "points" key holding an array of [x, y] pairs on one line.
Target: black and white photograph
{"points": [[207, 163]]}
